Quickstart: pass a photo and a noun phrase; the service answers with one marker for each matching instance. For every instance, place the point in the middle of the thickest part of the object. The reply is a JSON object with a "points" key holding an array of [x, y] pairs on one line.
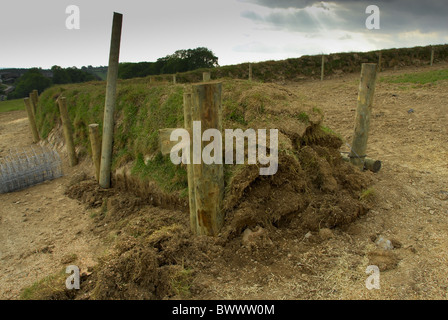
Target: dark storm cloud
{"points": [[396, 15], [296, 21]]}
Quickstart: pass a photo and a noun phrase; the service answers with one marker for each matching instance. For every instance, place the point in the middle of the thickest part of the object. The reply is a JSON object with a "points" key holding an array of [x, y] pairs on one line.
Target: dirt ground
{"points": [[42, 229]]}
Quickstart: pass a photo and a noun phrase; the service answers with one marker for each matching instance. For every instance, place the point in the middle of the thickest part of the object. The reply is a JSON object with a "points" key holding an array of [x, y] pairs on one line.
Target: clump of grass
{"points": [[49, 288], [161, 170], [303, 117], [367, 194], [181, 282]]}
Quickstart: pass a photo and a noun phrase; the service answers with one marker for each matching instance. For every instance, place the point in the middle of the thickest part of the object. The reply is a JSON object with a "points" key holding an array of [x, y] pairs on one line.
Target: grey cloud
{"points": [[396, 15], [293, 21]]}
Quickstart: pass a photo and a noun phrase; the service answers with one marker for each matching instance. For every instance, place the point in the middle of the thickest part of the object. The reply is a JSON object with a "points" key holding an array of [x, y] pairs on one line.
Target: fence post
{"points": [[205, 76], [174, 79], [191, 187], [322, 68], [432, 55], [34, 97], [250, 71], [68, 133], [95, 143], [111, 89], [32, 120], [208, 178], [363, 111]]}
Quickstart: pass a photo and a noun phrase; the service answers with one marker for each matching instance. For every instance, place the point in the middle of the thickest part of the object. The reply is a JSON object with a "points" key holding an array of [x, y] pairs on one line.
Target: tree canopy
{"points": [[179, 61], [31, 80]]}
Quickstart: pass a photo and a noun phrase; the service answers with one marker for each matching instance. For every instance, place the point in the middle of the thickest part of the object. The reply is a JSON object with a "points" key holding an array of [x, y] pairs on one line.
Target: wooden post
{"points": [[188, 123], [68, 133], [151, 79], [322, 69], [35, 98], [369, 164], [208, 178], [206, 76], [174, 79], [33, 106], [29, 110], [111, 89], [250, 71], [363, 111], [379, 61], [95, 143], [432, 56]]}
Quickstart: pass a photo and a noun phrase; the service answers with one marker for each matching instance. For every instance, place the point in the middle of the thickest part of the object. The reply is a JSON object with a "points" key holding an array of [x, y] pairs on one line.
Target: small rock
{"points": [[384, 243], [250, 237], [326, 233]]}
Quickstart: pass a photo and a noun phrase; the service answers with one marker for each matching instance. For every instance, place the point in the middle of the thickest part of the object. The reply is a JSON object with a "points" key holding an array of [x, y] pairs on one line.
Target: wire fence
{"points": [[28, 166]]}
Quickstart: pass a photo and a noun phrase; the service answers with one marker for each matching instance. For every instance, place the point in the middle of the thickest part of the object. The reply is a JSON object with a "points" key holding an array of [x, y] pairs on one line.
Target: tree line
{"points": [[180, 61], [34, 79]]}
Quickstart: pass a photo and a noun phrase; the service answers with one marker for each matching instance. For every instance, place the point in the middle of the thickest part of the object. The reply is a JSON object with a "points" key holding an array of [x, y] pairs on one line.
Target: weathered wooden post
{"points": [[68, 132], [363, 111], [35, 99], [205, 181], [250, 71], [208, 178], [95, 143], [111, 89], [32, 120], [174, 79], [432, 55], [188, 123], [369, 163], [322, 69], [33, 106], [206, 76]]}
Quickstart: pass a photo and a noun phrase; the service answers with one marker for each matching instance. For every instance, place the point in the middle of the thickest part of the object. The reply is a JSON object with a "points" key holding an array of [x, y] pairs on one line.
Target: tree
{"points": [[180, 61], [60, 75], [33, 79]]}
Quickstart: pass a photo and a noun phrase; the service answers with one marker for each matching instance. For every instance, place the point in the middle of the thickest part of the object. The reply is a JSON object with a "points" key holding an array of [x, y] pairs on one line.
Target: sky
{"points": [[34, 32]]}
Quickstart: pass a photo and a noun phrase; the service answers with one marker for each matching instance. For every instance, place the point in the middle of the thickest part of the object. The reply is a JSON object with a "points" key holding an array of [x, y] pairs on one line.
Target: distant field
{"points": [[12, 105], [419, 78]]}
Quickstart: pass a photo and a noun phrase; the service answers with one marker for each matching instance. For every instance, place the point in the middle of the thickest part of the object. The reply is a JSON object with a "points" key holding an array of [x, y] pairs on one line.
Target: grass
{"points": [[181, 282], [142, 108], [51, 287], [418, 78], [367, 194], [12, 105]]}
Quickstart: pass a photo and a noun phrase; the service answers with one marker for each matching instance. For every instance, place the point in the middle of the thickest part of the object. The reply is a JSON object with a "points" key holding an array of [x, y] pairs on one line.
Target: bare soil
{"points": [[129, 248]]}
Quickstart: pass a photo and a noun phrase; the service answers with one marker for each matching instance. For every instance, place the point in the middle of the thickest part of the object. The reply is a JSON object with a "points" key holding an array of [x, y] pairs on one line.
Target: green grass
{"points": [[418, 78], [49, 288], [12, 105], [367, 194]]}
